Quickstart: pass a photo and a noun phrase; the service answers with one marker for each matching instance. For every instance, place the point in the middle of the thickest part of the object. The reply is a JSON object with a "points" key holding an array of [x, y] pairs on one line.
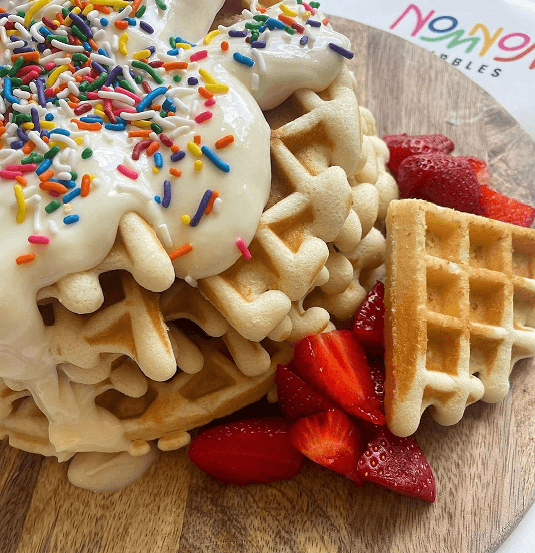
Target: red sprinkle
{"points": [[82, 108], [131, 174], [139, 147], [204, 116], [201, 54], [165, 140], [242, 246], [41, 240], [209, 102]]}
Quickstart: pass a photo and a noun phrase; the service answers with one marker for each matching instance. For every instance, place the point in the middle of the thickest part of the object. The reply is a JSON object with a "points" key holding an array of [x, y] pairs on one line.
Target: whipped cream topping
{"points": [[115, 108]]}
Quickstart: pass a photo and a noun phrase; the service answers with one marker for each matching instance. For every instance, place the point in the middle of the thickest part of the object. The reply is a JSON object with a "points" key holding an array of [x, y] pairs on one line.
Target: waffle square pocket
{"points": [[460, 304]]}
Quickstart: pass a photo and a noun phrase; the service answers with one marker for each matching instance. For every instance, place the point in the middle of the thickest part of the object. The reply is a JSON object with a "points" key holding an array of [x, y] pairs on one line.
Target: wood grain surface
{"points": [[485, 465]]}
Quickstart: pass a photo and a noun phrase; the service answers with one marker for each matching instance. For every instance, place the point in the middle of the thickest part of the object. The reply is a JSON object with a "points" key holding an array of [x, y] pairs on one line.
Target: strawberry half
{"points": [[254, 451], [399, 465], [296, 397], [501, 207], [335, 364], [369, 321], [331, 440], [442, 179], [480, 168], [402, 146]]}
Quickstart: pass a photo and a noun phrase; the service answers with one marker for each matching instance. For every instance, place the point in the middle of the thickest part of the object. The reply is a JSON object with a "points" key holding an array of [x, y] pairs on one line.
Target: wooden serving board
{"points": [[485, 465]]}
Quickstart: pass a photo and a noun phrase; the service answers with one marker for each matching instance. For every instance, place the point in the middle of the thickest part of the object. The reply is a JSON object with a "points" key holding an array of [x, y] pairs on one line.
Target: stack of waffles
{"points": [[156, 357]]}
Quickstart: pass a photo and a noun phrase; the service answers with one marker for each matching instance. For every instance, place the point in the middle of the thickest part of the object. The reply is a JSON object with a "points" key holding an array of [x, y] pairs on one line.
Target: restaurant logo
{"points": [[446, 31]]}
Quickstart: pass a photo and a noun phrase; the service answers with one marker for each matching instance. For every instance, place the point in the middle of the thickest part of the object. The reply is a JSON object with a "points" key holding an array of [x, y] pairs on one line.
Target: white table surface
{"points": [[522, 540]]}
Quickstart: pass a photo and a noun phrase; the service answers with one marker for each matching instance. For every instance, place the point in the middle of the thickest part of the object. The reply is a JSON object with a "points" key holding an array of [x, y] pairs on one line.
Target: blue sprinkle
{"points": [[177, 156], [7, 91], [158, 160], [147, 100], [274, 24], [143, 25], [92, 119], [180, 39], [211, 155], [303, 40], [193, 81], [166, 193], [49, 117], [200, 210], [87, 46], [66, 183], [103, 52], [240, 58], [70, 219], [115, 126], [71, 195], [168, 105], [342, 51], [313, 23], [173, 52], [157, 199], [104, 22], [45, 32], [64, 132], [43, 166], [17, 144], [234, 33], [258, 44], [131, 22]]}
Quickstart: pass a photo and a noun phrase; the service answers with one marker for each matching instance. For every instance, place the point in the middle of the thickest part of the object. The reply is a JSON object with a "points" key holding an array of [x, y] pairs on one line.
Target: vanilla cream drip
{"points": [[279, 69]]}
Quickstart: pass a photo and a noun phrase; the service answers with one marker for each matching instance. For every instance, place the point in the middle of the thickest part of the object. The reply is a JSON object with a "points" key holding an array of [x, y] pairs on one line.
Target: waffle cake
{"points": [[173, 312], [460, 305]]}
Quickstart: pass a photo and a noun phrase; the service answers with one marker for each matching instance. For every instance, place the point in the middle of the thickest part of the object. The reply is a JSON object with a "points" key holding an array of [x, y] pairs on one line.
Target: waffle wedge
{"points": [[460, 304]]}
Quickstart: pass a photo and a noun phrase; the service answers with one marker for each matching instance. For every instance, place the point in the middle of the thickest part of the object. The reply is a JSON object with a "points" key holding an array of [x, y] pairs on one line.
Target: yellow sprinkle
{"points": [[155, 170], [306, 15], [287, 10], [21, 203], [68, 20], [102, 114], [79, 140], [194, 149], [141, 124], [33, 10], [27, 126], [48, 125], [217, 87], [11, 33], [198, 165], [186, 219], [206, 77], [122, 44], [55, 74], [88, 9], [67, 208], [112, 3], [57, 142], [142, 54], [99, 106], [208, 38], [184, 45]]}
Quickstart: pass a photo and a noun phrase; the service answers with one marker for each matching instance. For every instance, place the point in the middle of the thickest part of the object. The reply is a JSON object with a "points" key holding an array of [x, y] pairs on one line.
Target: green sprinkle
{"points": [[163, 113], [20, 118], [15, 81], [156, 128], [16, 66], [126, 85], [98, 82], [138, 79], [262, 18], [87, 153], [177, 78], [77, 33], [74, 175], [172, 41], [21, 13], [59, 38], [252, 26], [314, 4], [254, 35], [161, 4], [83, 86], [34, 157], [83, 97], [146, 67], [4, 71], [79, 58], [25, 88], [141, 11], [52, 206], [289, 30], [52, 152]]}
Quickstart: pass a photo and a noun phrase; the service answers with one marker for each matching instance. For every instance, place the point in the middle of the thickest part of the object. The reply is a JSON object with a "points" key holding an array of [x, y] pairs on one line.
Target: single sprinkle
{"points": [[242, 246], [201, 54], [198, 165], [39, 240], [21, 204], [212, 156], [166, 193], [87, 153], [244, 60], [342, 51], [70, 219], [200, 210], [26, 258], [202, 117], [185, 249], [52, 206], [130, 173]]}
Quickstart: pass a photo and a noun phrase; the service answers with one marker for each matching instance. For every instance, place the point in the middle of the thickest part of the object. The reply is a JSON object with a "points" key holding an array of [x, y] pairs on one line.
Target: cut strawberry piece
{"points": [[331, 440], [335, 364], [500, 207], [254, 451], [296, 397], [480, 167], [369, 321], [377, 372], [442, 179], [402, 146], [399, 465]]}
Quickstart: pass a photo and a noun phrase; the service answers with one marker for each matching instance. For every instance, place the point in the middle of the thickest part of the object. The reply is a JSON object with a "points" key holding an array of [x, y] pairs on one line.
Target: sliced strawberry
{"points": [[376, 363], [402, 146], [399, 465], [296, 397], [369, 321], [442, 179], [335, 364], [331, 440], [501, 207], [480, 167], [254, 451]]}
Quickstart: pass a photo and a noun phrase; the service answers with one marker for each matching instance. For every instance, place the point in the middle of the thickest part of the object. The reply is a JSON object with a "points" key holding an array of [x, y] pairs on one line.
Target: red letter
{"points": [[420, 23]]}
